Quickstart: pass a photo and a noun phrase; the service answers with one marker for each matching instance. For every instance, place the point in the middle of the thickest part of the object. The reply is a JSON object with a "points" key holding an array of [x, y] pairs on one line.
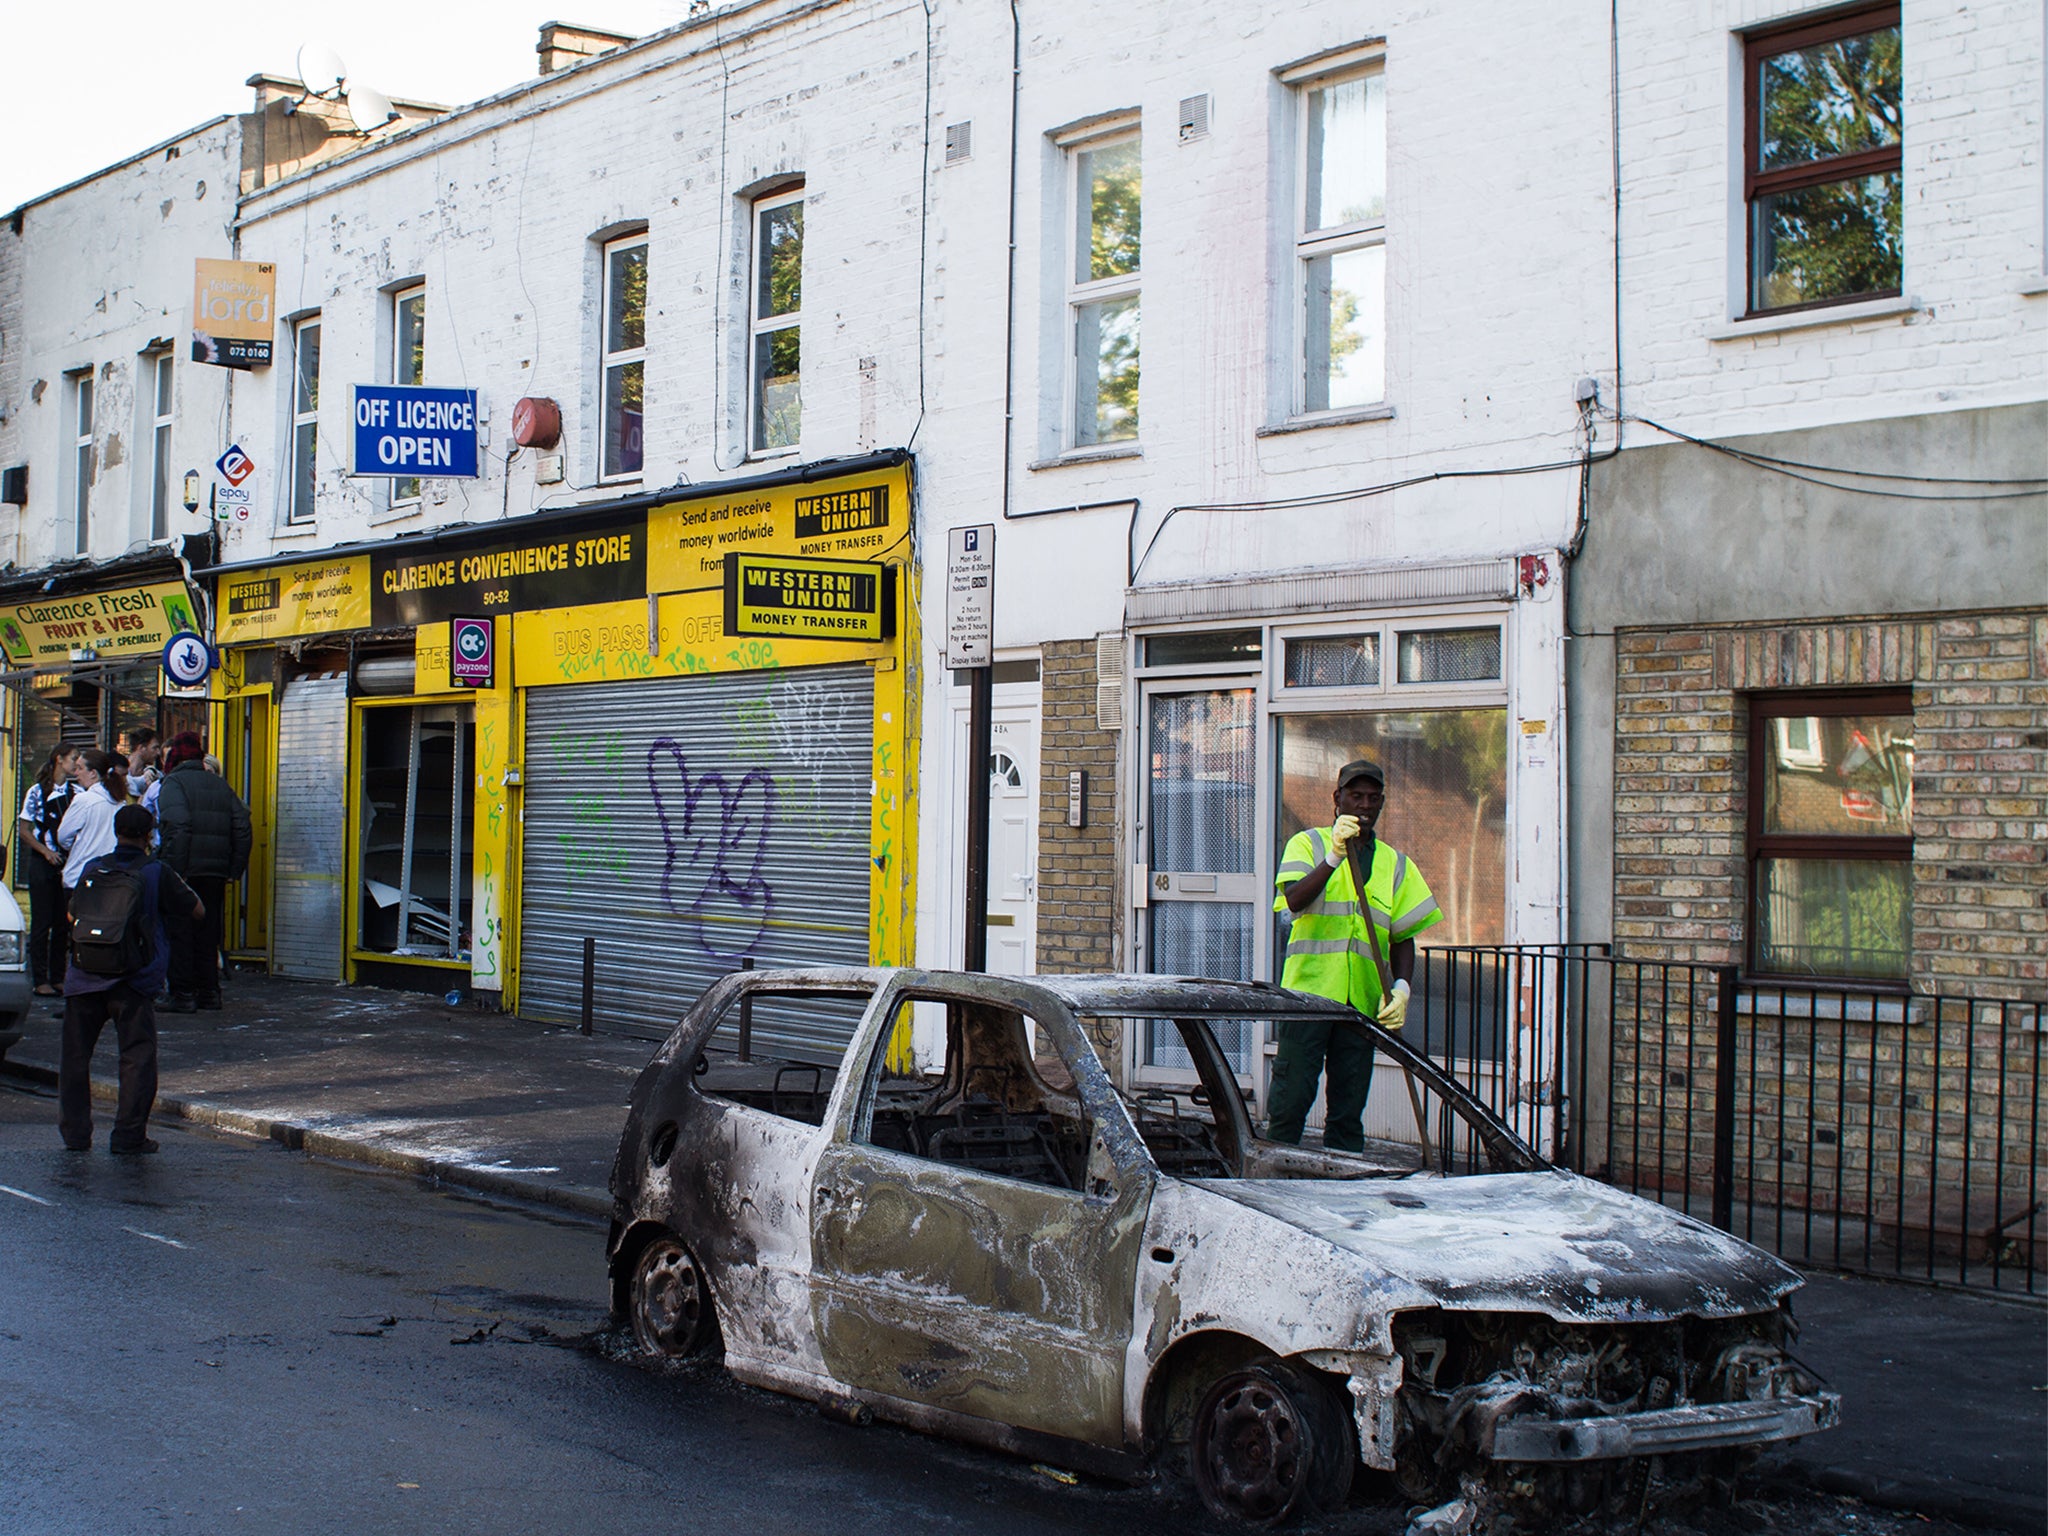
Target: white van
{"points": [[16, 992]]}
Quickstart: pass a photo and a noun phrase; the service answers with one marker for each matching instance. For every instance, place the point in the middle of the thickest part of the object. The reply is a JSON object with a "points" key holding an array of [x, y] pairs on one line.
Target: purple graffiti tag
{"points": [[714, 840]]}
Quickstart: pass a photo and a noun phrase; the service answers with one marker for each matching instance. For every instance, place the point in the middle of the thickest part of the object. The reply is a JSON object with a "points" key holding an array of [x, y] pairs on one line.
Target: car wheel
{"points": [[671, 1304], [1269, 1444]]}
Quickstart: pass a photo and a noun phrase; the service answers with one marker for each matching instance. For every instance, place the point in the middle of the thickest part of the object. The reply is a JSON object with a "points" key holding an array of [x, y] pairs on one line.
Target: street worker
{"points": [[87, 830], [119, 954], [1332, 953], [206, 839], [42, 813]]}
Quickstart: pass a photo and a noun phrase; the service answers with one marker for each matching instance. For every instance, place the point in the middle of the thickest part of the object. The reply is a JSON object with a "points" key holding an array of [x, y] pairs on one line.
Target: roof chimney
{"points": [[563, 45]]}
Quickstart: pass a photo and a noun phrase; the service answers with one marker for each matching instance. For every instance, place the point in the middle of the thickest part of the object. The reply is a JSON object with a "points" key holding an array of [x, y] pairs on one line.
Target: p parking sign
{"points": [[472, 652]]}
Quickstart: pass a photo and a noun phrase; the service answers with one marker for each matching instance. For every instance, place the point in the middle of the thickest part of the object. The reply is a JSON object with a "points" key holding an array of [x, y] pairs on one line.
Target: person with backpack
{"points": [[206, 839], [42, 812], [119, 955]]}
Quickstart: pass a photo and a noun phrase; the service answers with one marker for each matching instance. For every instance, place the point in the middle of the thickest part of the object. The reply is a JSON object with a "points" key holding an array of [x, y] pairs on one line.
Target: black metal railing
{"points": [[1870, 1131], [1504, 1020]]}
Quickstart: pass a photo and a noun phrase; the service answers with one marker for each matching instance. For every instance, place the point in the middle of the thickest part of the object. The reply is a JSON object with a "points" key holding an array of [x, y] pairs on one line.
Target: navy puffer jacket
{"points": [[203, 823]]}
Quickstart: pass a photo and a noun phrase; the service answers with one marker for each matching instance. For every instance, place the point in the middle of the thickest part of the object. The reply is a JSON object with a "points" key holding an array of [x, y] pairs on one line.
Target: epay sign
{"points": [[234, 485], [413, 431]]}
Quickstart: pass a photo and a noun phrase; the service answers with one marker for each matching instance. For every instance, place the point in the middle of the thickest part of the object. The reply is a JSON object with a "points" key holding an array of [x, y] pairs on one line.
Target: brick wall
{"points": [[1980, 704], [1077, 866], [1980, 807]]}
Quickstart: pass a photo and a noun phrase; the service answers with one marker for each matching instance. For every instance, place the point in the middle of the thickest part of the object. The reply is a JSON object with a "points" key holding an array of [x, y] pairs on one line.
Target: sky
{"points": [[95, 81]]}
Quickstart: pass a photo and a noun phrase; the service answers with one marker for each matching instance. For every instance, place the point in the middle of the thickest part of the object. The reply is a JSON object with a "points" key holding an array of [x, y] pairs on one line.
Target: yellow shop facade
{"points": [[694, 748]]}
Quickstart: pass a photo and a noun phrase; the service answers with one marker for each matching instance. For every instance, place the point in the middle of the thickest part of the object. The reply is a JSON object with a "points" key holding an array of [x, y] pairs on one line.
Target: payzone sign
{"points": [[411, 431], [471, 651]]}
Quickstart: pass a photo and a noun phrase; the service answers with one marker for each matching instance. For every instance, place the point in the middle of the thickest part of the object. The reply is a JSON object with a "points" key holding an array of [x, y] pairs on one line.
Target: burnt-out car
{"points": [[1004, 1245]]}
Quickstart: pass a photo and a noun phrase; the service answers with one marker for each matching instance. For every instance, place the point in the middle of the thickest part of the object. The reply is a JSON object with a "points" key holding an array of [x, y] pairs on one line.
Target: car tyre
{"points": [[670, 1299], [1270, 1444]]}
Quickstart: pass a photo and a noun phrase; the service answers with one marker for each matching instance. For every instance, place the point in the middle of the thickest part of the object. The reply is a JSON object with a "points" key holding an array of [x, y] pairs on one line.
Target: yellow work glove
{"points": [[1394, 1007], [1342, 836]]}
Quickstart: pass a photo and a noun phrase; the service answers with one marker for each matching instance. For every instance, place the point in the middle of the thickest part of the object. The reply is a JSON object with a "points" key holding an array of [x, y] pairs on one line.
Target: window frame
{"points": [[609, 359], [759, 326], [1312, 245], [163, 400], [1758, 845], [1766, 43], [83, 407], [409, 492], [1080, 295], [304, 474]]}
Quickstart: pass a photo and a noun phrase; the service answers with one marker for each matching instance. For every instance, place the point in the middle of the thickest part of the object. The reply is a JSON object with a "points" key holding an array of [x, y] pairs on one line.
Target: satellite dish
{"points": [[369, 110], [321, 71]]}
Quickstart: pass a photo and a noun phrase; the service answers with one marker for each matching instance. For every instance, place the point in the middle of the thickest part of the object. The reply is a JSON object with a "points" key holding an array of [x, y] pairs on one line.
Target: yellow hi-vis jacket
{"points": [[1328, 952]]}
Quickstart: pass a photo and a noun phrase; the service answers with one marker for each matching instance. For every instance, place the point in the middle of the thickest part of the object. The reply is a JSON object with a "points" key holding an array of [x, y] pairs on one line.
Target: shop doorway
{"points": [[91, 707], [416, 831], [1200, 840], [244, 748]]}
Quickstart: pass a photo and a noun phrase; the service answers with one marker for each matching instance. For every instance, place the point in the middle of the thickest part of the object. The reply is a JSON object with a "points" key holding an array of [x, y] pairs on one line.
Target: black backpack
{"points": [[54, 807], [110, 919]]}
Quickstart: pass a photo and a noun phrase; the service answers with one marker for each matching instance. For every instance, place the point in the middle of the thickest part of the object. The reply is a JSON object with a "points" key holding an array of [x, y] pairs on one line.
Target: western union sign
{"points": [[809, 599]]}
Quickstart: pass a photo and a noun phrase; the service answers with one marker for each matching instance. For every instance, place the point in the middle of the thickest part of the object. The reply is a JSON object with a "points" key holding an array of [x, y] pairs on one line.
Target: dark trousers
{"points": [[49, 921], [1307, 1050], [134, 1020], [195, 942]]}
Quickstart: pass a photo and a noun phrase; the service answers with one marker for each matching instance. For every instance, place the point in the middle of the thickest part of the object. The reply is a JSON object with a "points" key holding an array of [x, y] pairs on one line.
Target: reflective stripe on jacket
{"points": [[1328, 952]]}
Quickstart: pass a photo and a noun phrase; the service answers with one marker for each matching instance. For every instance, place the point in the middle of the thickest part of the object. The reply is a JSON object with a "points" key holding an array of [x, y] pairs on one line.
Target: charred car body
{"points": [[1010, 1249]]}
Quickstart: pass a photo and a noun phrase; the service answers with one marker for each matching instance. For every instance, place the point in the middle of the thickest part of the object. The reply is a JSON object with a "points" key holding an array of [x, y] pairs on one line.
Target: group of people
{"points": [[162, 813]]}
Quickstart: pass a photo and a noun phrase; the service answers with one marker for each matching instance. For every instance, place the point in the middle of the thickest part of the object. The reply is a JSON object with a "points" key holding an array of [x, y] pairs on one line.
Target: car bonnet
{"points": [[1547, 1242]]}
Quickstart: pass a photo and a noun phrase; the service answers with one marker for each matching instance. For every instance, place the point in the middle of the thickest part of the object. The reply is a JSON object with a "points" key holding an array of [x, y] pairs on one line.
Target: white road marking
{"points": [[155, 1237], [22, 1194]]}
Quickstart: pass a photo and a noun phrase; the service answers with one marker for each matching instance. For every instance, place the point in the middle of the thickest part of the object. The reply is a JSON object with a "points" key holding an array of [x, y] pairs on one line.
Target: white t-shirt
{"points": [[87, 832]]}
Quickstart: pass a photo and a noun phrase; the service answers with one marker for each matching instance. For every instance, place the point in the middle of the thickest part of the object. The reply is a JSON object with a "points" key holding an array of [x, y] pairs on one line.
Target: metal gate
{"points": [[312, 761], [688, 825]]}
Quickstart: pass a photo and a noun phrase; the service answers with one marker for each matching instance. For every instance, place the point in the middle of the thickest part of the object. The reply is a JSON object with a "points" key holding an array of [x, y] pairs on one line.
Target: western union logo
{"points": [[809, 599], [853, 511], [258, 596]]}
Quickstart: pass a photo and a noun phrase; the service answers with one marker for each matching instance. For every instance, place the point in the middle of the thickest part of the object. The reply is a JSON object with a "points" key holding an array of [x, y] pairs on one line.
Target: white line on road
{"points": [[155, 1237], [22, 1194]]}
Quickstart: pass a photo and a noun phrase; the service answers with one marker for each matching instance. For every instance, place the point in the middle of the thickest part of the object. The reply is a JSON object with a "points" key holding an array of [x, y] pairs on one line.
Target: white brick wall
{"points": [[500, 209], [1973, 229], [92, 276]]}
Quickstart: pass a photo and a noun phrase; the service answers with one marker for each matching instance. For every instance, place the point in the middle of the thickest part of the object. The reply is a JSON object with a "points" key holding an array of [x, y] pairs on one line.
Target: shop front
{"points": [[84, 666], [683, 744]]}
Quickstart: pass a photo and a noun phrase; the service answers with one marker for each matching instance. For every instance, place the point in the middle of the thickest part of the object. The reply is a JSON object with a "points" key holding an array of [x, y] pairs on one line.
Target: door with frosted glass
{"points": [[1201, 857]]}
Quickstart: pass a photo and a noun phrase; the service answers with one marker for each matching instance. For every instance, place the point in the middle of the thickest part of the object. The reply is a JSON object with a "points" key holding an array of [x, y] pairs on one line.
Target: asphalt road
{"points": [[229, 1336]]}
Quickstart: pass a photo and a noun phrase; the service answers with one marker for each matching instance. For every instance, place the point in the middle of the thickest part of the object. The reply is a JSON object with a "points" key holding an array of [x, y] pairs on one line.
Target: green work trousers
{"points": [[1309, 1050]]}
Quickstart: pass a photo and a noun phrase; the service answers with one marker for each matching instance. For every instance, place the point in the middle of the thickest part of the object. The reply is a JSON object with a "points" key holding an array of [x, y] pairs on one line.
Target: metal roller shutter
{"points": [[687, 824], [312, 817]]}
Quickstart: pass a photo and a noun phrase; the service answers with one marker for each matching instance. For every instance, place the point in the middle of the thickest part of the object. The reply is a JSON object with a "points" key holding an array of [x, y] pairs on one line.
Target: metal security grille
{"points": [[312, 757], [688, 824]]}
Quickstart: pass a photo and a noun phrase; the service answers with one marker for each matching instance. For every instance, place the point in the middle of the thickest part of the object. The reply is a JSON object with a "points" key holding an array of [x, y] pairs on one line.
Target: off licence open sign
{"points": [[410, 430]]}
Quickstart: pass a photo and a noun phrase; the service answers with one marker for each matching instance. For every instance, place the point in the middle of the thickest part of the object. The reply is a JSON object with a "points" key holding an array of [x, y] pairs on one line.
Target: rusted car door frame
{"points": [[969, 1293]]}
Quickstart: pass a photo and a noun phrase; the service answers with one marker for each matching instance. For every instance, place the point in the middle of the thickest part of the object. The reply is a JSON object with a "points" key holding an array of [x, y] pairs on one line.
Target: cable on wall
{"points": [[1791, 468], [924, 214]]}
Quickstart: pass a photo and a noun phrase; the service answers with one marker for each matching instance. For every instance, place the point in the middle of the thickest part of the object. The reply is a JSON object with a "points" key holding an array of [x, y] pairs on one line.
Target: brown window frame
{"points": [[1767, 43], [1759, 845]]}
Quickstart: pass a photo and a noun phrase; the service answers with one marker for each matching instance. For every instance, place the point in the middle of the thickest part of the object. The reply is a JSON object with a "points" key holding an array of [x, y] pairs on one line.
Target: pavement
{"points": [[1945, 1392]]}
